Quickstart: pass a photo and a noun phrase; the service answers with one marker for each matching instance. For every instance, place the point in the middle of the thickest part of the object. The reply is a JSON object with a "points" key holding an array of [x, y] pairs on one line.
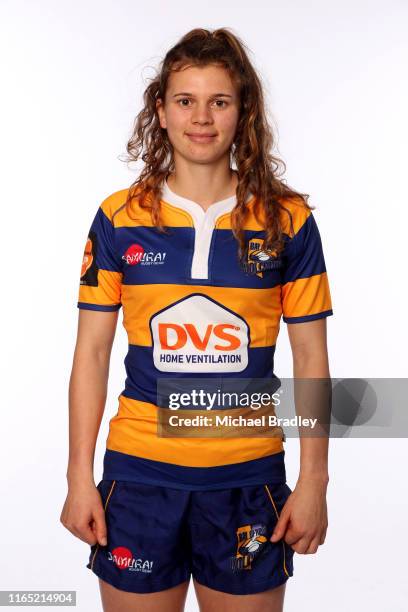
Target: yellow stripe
{"points": [[173, 216], [277, 516], [134, 431], [106, 505], [261, 308], [256, 222], [113, 202], [306, 296], [106, 293]]}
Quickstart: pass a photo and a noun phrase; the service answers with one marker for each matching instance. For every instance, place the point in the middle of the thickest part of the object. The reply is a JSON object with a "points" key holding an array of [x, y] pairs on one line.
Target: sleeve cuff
{"points": [[100, 307], [311, 317]]}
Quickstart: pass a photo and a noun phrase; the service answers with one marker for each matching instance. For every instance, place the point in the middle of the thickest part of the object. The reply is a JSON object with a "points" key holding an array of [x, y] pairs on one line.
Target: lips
{"points": [[201, 137]]}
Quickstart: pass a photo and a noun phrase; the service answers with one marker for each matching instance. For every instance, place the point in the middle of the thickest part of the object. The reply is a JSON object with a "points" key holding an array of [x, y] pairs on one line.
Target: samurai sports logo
{"points": [[135, 254], [201, 335], [123, 558]]}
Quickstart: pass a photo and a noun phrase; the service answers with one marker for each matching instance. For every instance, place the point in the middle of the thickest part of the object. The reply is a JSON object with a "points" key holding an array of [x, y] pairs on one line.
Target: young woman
{"points": [[204, 258]]}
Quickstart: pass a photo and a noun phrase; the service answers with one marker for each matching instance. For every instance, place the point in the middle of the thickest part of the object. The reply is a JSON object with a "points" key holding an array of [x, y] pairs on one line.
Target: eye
{"points": [[219, 103]]}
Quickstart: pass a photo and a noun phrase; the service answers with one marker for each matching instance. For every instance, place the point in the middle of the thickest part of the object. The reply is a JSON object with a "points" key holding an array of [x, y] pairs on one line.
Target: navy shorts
{"points": [[158, 537]]}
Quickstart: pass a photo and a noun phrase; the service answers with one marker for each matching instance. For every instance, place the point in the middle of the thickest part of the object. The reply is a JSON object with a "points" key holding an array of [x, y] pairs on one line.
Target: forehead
{"points": [[201, 80]]}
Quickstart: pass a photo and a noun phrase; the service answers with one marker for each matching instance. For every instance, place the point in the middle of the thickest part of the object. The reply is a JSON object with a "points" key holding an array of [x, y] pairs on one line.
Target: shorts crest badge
{"points": [[251, 543]]}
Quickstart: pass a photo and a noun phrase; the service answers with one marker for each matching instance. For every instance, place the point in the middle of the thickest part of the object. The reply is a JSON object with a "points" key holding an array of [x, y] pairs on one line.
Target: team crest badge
{"points": [[259, 259], [251, 544]]}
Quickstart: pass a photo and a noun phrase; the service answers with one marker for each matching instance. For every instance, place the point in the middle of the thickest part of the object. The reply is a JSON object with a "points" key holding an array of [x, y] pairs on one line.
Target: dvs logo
{"points": [[198, 334]]}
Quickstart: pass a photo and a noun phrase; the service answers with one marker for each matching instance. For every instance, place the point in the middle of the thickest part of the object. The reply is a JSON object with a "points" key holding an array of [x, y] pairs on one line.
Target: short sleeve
{"points": [[305, 286], [101, 275]]}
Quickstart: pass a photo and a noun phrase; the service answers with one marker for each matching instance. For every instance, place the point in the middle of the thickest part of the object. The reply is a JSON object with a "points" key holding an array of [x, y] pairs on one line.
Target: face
{"points": [[200, 113]]}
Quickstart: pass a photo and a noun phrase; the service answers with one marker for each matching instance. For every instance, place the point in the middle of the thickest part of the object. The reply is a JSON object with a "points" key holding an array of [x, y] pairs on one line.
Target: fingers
{"points": [[281, 526], [91, 531], [305, 544], [323, 536], [100, 527], [313, 546], [85, 533]]}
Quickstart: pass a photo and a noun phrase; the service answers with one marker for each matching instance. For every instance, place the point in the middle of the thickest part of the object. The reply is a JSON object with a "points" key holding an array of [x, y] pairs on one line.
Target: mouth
{"points": [[201, 137]]}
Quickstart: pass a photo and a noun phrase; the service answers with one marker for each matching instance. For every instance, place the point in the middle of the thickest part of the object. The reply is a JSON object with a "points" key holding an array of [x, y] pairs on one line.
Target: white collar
{"points": [[204, 222], [194, 209]]}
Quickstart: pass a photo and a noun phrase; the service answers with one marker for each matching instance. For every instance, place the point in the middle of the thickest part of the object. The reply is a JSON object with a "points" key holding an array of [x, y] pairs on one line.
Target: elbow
{"points": [[307, 364]]}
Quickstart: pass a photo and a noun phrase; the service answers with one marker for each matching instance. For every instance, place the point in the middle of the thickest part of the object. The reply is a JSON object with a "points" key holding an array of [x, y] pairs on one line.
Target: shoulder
{"points": [[114, 202], [294, 214], [115, 209]]}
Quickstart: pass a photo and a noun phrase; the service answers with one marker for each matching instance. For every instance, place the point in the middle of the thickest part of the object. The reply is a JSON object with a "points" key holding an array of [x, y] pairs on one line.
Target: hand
{"points": [[83, 513], [303, 519]]}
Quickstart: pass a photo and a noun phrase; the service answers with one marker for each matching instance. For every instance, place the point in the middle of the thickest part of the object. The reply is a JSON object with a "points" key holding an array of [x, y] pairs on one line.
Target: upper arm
{"points": [[100, 284], [96, 330], [305, 286], [309, 340], [306, 298]]}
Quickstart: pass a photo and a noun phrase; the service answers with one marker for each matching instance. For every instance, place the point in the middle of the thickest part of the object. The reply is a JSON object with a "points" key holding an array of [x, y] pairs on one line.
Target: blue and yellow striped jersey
{"points": [[190, 308]]}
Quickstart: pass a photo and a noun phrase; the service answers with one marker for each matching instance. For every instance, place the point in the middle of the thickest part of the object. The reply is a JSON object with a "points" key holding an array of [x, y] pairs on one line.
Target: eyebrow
{"points": [[216, 95]]}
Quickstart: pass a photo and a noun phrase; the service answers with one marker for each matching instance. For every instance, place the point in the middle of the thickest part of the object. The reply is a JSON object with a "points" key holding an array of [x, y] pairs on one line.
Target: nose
{"points": [[202, 114]]}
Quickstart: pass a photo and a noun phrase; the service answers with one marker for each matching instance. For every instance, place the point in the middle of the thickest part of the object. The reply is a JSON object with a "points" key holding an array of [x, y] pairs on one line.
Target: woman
{"points": [[204, 259]]}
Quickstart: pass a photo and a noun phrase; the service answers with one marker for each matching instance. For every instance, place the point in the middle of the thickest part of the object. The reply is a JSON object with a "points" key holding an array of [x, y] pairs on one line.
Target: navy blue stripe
{"points": [[142, 375], [121, 466], [312, 317], [302, 256], [174, 248], [224, 266], [86, 306], [174, 253], [304, 253], [106, 257]]}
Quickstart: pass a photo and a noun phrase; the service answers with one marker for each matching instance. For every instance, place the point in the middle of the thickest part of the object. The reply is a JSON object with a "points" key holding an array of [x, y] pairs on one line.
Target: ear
{"points": [[161, 114]]}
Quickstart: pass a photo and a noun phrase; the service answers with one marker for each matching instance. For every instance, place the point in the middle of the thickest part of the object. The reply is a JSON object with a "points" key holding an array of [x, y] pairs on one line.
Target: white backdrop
{"points": [[72, 76]]}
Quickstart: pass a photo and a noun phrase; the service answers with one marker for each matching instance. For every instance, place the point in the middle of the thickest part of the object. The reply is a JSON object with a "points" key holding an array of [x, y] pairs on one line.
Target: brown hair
{"points": [[257, 168]]}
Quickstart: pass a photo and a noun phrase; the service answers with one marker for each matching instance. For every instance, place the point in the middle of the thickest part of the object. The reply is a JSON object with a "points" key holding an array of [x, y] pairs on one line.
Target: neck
{"points": [[203, 185]]}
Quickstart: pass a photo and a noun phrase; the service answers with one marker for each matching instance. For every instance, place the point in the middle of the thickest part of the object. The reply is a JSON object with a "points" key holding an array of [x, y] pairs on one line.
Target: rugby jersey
{"points": [[190, 309]]}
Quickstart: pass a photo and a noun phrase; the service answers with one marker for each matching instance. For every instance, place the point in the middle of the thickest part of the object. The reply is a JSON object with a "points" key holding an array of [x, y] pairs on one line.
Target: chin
{"points": [[197, 156]]}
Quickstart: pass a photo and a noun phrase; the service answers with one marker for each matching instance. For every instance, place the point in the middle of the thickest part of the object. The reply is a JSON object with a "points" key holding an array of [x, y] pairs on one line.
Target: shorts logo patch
{"points": [[135, 254], [89, 269], [123, 558], [251, 544], [260, 259], [201, 334]]}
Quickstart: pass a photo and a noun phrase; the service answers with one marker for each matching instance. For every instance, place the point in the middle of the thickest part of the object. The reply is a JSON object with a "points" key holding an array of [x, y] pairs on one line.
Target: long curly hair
{"points": [[258, 170]]}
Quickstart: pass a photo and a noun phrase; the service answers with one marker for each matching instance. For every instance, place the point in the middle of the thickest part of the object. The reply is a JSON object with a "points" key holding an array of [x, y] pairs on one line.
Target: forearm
{"points": [[313, 448], [314, 459], [87, 398]]}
